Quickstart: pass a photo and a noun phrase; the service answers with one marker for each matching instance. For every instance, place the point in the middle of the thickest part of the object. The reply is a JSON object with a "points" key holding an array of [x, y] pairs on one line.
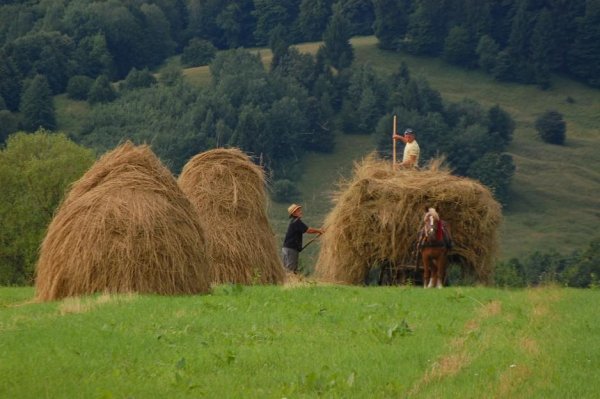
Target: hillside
{"points": [[555, 190]]}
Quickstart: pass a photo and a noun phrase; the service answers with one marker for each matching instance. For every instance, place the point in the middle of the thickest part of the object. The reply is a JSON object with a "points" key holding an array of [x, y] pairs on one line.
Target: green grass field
{"points": [[304, 341], [556, 189]]}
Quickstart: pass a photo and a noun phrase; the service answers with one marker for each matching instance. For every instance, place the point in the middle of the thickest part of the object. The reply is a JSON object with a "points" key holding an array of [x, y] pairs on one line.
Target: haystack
{"points": [[378, 212], [125, 226], [228, 192]]}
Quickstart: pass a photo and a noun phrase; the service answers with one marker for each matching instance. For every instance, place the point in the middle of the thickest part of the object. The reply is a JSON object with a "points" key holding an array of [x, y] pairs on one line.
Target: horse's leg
{"points": [[425, 259], [442, 262]]}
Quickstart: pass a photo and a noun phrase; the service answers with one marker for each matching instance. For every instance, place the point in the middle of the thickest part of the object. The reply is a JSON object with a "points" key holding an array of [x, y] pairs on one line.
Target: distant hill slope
{"points": [[556, 189]]}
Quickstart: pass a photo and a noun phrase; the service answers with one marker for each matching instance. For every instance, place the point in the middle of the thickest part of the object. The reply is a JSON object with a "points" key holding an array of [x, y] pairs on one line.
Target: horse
{"points": [[433, 248]]}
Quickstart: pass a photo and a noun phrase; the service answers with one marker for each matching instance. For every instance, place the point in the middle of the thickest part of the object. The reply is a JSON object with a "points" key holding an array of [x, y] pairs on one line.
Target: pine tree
{"points": [[585, 53], [338, 50], [391, 22], [542, 48], [37, 105]]}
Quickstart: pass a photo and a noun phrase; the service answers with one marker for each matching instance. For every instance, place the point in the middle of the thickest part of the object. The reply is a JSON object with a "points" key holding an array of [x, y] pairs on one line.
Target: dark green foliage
{"points": [[313, 18], [585, 270], [299, 66], [501, 123], [171, 75], [319, 136], [391, 21], [459, 48], [584, 60], [138, 79], [504, 68], [337, 48], [44, 53], [487, 51], [578, 269], [198, 52], [551, 127], [426, 28], [279, 44], [9, 123], [92, 57], [10, 82], [101, 91], [365, 101], [269, 14], [79, 86], [237, 23], [361, 16], [542, 49], [509, 274], [494, 170], [37, 105], [285, 191]]}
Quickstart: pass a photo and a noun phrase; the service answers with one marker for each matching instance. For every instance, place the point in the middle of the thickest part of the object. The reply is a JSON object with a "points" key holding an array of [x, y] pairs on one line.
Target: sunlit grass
{"points": [[330, 341]]}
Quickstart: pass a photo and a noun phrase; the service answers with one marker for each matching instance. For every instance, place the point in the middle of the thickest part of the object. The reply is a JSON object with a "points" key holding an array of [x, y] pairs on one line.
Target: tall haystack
{"points": [[125, 226], [378, 212], [228, 191]]}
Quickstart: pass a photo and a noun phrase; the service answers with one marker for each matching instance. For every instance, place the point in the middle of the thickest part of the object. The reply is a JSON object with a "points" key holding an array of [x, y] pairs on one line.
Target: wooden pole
{"points": [[394, 143]]}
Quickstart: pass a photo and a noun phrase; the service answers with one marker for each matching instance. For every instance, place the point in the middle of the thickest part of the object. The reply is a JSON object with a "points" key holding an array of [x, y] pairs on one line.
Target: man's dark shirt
{"points": [[293, 237]]}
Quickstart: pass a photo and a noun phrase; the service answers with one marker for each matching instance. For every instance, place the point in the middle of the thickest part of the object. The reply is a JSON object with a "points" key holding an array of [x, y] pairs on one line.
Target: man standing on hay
{"points": [[292, 243], [410, 159]]}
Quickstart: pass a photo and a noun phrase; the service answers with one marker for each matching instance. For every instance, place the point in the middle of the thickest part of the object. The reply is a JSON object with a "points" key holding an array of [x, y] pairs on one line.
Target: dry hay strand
{"points": [[228, 192], [125, 226], [378, 213]]}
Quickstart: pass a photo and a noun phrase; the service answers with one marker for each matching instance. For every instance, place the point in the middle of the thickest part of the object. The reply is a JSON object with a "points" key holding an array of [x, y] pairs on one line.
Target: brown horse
{"points": [[433, 247]]}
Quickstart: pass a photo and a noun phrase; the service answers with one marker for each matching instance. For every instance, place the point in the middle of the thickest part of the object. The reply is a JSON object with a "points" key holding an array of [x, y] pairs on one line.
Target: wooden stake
{"points": [[394, 143]]}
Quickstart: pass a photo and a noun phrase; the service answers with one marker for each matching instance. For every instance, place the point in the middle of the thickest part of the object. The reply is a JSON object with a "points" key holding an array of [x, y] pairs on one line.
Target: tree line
{"points": [[514, 40]]}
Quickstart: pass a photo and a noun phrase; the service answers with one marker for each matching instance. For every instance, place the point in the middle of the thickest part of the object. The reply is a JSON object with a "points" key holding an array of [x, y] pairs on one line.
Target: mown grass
{"points": [[303, 341]]}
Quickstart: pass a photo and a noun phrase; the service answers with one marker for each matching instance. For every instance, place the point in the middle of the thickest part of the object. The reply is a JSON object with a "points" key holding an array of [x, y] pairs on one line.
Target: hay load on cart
{"points": [[124, 227], [378, 212], [228, 191]]}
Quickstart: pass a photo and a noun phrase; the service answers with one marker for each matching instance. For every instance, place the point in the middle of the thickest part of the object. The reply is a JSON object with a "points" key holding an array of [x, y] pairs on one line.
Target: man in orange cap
{"points": [[292, 244]]}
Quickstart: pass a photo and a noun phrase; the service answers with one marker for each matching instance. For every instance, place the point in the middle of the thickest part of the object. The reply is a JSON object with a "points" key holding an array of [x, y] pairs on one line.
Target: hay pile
{"points": [[228, 192], [378, 213], [125, 226]]}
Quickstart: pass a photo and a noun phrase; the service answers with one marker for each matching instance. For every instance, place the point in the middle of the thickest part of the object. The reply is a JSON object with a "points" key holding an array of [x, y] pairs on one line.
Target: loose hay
{"points": [[228, 192], [377, 215], [124, 227]]}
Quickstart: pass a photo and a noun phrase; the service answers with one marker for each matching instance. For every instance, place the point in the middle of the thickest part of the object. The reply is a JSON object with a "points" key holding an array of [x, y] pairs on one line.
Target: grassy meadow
{"points": [[302, 341]]}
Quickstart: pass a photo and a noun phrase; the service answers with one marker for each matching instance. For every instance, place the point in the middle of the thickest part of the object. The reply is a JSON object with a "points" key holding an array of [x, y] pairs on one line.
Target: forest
{"points": [[117, 56]]}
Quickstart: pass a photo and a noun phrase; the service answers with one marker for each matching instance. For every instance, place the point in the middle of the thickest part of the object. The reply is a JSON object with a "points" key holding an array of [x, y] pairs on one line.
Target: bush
{"points": [[138, 79], [101, 91], [551, 127], [79, 86], [285, 191], [198, 52]]}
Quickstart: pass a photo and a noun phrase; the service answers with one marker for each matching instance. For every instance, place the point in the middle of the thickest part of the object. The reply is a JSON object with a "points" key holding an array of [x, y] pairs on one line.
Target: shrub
{"points": [[551, 127], [198, 52], [138, 79], [101, 91], [79, 86]]}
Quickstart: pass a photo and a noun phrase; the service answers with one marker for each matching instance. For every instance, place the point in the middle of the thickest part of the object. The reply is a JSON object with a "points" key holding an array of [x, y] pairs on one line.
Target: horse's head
{"points": [[430, 227]]}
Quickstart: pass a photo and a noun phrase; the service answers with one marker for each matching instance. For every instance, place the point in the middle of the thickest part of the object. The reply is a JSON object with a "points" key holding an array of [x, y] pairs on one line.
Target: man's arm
{"points": [[310, 230], [401, 138]]}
